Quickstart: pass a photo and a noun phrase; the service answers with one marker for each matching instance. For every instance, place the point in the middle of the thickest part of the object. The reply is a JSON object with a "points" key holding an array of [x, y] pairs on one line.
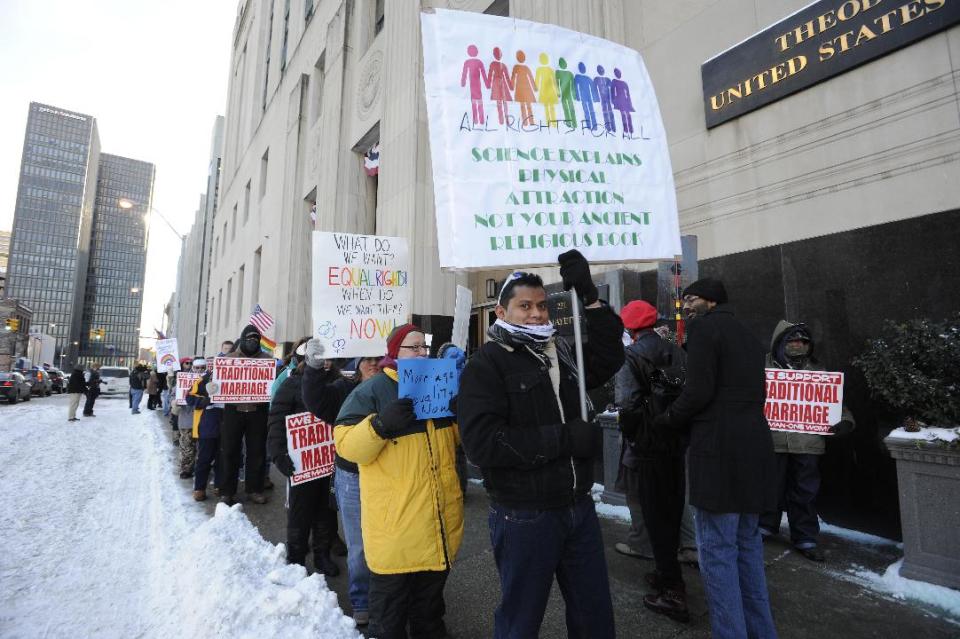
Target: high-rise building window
{"points": [[319, 75], [240, 277], [286, 34], [266, 64], [378, 16], [233, 231], [255, 283], [246, 202], [307, 11], [226, 314], [264, 165], [499, 8], [223, 247]]}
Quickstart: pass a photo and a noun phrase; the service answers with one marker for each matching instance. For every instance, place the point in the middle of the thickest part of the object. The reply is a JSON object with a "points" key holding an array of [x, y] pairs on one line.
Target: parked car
{"points": [[39, 380], [57, 380], [117, 380], [14, 387]]}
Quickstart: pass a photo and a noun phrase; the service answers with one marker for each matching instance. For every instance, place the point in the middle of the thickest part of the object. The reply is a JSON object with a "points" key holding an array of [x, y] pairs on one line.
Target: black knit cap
{"points": [[709, 289]]}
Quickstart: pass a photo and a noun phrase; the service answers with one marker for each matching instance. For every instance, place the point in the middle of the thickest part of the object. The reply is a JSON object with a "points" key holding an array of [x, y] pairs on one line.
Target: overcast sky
{"points": [[153, 74]]}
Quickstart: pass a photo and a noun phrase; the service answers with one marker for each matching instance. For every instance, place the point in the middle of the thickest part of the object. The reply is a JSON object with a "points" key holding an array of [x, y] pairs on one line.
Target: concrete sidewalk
{"points": [[809, 600]]}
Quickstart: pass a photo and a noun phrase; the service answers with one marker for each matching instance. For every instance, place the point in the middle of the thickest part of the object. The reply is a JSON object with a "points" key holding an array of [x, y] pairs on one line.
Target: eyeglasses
{"points": [[417, 347]]}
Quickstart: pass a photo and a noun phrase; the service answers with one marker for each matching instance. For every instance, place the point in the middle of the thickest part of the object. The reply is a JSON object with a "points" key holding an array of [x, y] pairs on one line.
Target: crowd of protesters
{"points": [[705, 479]]}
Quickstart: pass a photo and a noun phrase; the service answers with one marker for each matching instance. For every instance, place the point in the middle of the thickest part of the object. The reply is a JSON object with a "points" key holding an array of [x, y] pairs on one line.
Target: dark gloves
{"points": [[284, 464], [841, 428], [630, 423], [575, 272], [395, 418], [582, 437], [452, 406]]}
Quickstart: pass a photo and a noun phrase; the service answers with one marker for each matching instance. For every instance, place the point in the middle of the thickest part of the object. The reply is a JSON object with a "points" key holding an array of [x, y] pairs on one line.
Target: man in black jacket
{"points": [[92, 378], [519, 416], [732, 472], [77, 387]]}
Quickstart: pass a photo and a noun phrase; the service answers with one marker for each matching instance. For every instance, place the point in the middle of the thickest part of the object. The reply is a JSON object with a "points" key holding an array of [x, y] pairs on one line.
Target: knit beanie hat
{"points": [[396, 338], [709, 289], [638, 314]]}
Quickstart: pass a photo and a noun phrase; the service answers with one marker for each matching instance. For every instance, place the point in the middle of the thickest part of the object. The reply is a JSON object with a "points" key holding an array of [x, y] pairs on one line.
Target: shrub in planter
{"points": [[914, 368]]}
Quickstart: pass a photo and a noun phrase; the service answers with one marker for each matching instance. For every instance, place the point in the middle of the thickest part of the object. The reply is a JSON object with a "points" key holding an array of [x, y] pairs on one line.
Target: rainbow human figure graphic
{"points": [[606, 103], [565, 85], [498, 81], [474, 72], [620, 96], [523, 88], [585, 92], [547, 92]]}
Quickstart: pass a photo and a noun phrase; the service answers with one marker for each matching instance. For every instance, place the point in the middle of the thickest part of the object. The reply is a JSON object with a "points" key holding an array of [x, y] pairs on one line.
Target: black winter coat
{"points": [[731, 452], [511, 425], [93, 386], [323, 394], [287, 401], [77, 384], [137, 380]]}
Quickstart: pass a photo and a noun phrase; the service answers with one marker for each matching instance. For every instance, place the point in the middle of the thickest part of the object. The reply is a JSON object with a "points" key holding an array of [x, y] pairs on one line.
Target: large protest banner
{"points": [[431, 383], [168, 359], [243, 380], [542, 140], [184, 384], [361, 291], [803, 401], [310, 446]]}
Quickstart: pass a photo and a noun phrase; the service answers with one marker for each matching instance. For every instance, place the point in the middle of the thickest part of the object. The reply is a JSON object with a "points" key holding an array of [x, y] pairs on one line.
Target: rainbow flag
{"points": [[267, 345]]}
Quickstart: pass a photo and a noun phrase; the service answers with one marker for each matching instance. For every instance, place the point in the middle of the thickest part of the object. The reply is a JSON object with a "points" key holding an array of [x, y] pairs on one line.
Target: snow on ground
{"points": [[100, 540], [901, 588]]}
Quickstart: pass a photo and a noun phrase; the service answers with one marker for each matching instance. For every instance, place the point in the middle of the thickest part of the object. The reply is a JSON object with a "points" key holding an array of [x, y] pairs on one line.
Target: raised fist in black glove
{"points": [[582, 438], [284, 464], [841, 428], [396, 417], [575, 271]]}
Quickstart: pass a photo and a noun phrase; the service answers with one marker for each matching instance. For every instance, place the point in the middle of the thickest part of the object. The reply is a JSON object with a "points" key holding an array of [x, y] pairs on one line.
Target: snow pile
{"points": [[929, 434], [608, 510], [901, 588], [232, 583]]}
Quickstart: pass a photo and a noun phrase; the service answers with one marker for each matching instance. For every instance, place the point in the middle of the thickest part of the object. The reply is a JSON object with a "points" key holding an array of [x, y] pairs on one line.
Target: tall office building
{"points": [[66, 191], [4, 258]]}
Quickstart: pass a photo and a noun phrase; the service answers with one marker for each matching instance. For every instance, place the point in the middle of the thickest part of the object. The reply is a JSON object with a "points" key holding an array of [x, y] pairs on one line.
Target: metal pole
{"points": [[578, 345]]}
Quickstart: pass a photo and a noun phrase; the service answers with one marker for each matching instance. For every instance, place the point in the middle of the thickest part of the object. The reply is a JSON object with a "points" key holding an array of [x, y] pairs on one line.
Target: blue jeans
{"points": [[530, 547], [165, 398], [347, 488], [136, 395], [731, 564]]}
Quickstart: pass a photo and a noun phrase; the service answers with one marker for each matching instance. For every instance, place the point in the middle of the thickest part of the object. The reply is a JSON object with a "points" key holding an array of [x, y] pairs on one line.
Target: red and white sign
{"points": [[184, 384], [803, 401], [310, 445], [243, 380]]}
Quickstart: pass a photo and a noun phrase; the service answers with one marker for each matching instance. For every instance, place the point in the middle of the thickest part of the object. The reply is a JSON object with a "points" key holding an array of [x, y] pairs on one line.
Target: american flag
{"points": [[261, 319], [371, 161]]}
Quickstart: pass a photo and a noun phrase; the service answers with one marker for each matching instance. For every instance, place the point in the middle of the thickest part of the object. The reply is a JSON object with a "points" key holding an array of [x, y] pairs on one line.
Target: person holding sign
{"points": [[205, 429], [309, 516], [798, 454], [731, 459], [519, 409], [410, 500]]}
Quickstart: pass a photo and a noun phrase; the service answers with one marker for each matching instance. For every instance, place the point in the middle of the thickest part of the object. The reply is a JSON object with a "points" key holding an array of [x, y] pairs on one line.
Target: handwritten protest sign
{"points": [[361, 291], [803, 401], [168, 359], [536, 153], [431, 383], [184, 384], [461, 317], [311, 448], [243, 380]]}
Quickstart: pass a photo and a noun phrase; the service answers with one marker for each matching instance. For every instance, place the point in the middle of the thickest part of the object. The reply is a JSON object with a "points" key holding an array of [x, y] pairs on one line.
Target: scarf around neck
{"points": [[534, 336]]}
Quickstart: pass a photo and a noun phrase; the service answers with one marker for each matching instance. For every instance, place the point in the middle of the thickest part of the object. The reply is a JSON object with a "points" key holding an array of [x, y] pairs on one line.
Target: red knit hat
{"points": [[396, 338], [638, 314]]}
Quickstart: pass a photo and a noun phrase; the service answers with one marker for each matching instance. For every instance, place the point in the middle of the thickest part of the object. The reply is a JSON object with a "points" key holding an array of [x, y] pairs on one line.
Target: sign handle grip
{"points": [[578, 346]]}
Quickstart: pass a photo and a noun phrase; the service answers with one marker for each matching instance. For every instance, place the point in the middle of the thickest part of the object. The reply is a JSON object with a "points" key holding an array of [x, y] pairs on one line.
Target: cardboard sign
{"points": [[361, 291], [310, 446], [243, 380], [542, 140], [803, 401], [168, 359], [431, 383], [461, 317], [184, 384]]}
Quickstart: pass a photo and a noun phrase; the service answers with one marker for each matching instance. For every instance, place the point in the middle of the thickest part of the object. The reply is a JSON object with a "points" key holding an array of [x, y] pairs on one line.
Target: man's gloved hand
{"points": [[212, 388], [315, 353], [841, 428], [629, 423], [395, 418], [575, 272], [582, 438], [284, 464]]}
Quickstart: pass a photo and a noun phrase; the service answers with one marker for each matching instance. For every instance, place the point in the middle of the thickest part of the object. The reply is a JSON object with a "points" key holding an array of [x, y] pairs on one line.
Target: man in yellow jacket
{"points": [[411, 505]]}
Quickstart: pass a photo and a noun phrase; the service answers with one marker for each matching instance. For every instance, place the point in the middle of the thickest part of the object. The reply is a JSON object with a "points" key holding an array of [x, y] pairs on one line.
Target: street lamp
{"points": [[126, 205]]}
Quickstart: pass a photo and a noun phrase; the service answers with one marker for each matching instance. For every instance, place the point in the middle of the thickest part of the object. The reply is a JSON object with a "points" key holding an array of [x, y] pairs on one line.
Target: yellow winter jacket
{"points": [[411, 506]]}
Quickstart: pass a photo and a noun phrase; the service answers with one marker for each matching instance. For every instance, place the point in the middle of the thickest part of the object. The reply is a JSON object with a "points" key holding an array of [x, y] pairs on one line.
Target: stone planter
{"points": [[611, 459], [928, 475]]}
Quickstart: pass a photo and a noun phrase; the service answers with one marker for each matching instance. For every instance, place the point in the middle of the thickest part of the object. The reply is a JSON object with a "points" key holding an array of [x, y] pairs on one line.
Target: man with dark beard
{"points": [[520, 419]]}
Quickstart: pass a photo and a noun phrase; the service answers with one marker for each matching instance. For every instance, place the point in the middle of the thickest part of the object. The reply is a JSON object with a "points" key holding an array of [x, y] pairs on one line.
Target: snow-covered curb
{"points": [[903, 589], [929, 434]]}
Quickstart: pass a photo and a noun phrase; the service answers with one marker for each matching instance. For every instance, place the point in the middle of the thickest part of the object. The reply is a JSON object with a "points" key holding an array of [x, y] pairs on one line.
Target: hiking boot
{"points": [[229, 500], [199, 495], [257, 498], [624, 549], [654, 580], [361, 617], [813, 554], [671, 602], [338, 547], [324, 564], [267, 484]]}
